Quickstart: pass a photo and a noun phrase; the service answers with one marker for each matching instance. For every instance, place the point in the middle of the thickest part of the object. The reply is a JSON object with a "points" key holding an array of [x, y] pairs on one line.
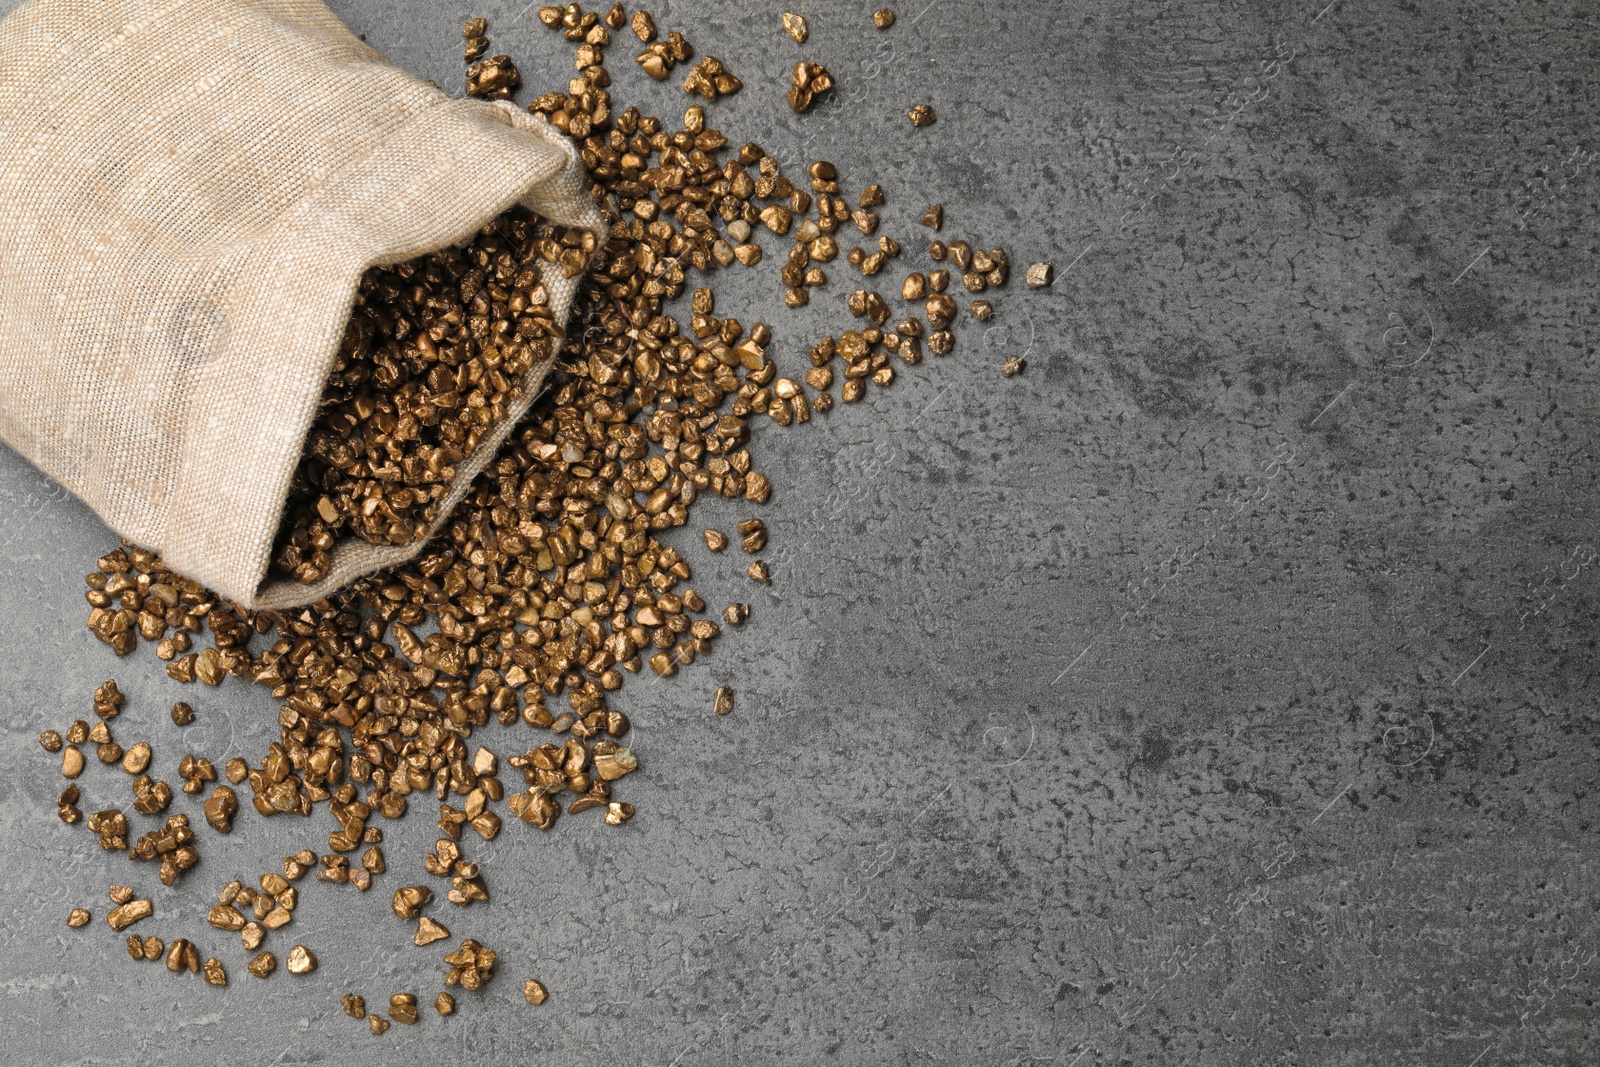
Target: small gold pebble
{"points": [[796, 27], [722, 703], [429, 931], [409, 900], [137, 758], [77, 917], [215, 973], [757, 488], [534, 991], [125, 915]]}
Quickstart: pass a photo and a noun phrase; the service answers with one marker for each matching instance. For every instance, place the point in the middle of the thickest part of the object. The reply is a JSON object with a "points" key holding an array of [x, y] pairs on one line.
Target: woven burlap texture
{"points": [[190, 191]]}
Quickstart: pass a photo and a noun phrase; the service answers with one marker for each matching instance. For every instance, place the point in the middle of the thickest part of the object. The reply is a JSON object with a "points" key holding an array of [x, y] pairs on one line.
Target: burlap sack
{"points": [[189, 194]]}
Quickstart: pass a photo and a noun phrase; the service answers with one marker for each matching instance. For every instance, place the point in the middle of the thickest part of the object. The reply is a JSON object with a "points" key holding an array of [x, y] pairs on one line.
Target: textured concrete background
{"points": [[1218, 692]]}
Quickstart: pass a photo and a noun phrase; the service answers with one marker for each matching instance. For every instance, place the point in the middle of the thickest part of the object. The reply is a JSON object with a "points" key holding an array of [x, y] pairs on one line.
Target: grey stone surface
{"points": [[1217, 692]]}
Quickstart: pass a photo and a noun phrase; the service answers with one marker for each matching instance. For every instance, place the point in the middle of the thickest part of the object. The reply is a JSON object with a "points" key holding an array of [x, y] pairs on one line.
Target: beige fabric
{"points": [[189, 194]]}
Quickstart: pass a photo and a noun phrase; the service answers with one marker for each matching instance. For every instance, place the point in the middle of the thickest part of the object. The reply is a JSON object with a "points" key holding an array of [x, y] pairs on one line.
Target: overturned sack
{"points": [[192, 193]]}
